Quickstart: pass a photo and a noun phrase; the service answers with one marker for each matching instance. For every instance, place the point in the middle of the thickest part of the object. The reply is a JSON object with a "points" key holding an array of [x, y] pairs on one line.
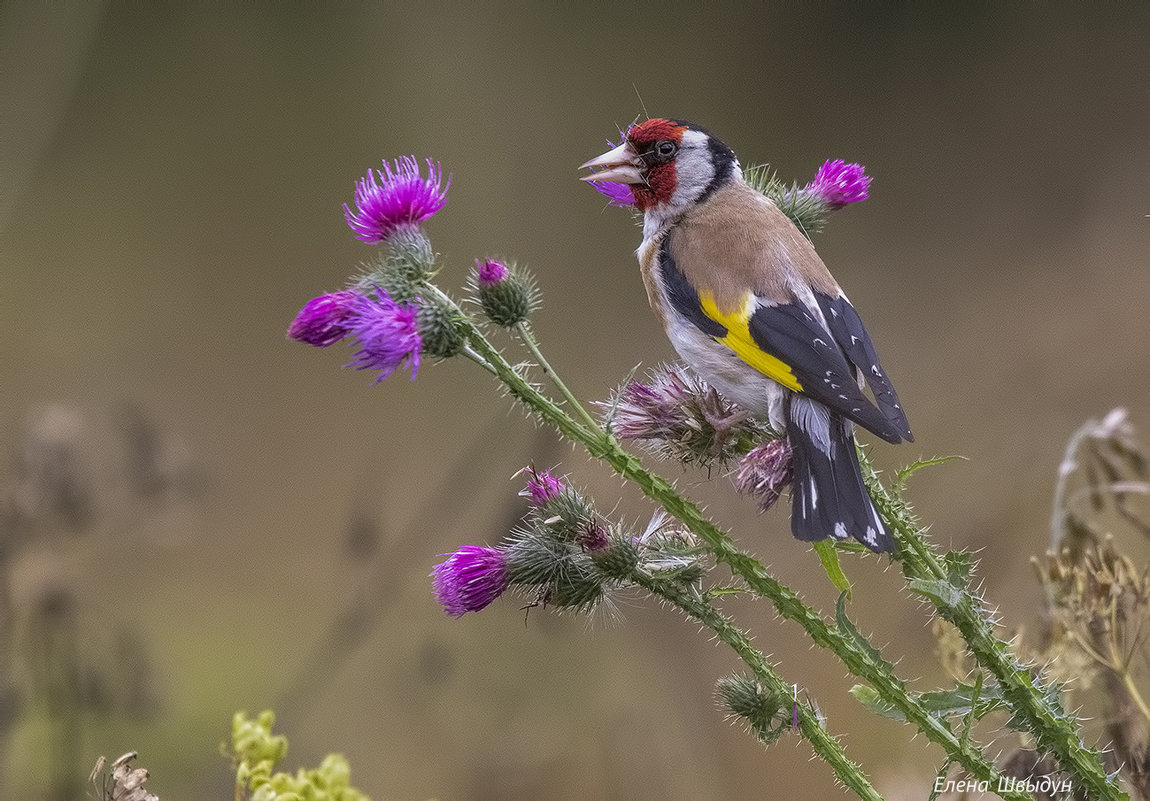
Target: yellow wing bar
{"points": [[739, 340]]}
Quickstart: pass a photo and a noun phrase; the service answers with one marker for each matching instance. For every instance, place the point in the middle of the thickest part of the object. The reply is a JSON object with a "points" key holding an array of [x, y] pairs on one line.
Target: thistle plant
{"points": [[567, 555]]}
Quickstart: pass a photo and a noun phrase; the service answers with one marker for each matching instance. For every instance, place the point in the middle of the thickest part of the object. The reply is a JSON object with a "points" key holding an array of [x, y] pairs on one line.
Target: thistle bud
{"points": [[542, 487], [744, 697], [560, 509], [508, 295], [579, 586], [618, 559], [593, 537], [440, 327], [403, 269], [534, 556]]}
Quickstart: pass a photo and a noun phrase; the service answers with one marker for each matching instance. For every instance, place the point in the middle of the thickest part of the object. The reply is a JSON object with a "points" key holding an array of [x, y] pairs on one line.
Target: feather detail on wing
{"points": [[739, 339], [788, 343], [847, 328], [793, 334]]}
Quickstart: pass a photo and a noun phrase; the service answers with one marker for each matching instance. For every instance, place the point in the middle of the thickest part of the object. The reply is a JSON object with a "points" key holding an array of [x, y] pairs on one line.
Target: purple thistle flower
{"points": [[394, 198], [651, 411], [387, 335], [617, 194], [678, 415], [325, 320], [470, 579], [765, 472], [542, 486], [838, 183], [490, 272]]}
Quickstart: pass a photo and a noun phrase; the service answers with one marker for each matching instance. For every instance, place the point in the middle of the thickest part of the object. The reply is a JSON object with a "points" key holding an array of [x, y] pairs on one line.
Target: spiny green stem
{"points": [[470, 353], [863, 663], [1052, 728], [524, 331], [811, 728]]}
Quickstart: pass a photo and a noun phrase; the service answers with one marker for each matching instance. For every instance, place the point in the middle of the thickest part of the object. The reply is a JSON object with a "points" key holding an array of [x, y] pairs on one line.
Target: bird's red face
{"points": [[645, 161], [668, 164]]}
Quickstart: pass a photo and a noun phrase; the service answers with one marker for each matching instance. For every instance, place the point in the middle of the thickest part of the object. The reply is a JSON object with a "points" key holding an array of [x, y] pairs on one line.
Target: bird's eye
{"points": [[665, 149]]}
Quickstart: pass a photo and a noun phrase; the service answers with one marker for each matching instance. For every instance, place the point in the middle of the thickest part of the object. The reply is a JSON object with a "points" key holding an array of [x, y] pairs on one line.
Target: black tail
{"points": [[830, 499]]}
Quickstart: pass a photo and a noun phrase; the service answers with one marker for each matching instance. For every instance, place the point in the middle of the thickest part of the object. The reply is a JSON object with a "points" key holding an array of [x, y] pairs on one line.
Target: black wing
{"points": [[847, 329], [822, 363]]}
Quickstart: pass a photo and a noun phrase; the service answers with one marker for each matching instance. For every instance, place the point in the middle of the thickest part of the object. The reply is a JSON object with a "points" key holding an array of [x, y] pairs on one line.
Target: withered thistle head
{"points": [[765, 472], [677, 415]]}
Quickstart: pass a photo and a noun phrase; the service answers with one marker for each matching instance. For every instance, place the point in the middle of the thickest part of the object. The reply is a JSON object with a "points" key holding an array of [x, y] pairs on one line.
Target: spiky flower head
{"points": [[678, 415], [387, 334], [577, 586], [762, 711], [838, 183], [506, 292], [326, 319], [403, 268], [395, 198], [440, 326], [765, 472], [593, 536], [618, 557], [489, 272], [470, 579], [542, 487]]}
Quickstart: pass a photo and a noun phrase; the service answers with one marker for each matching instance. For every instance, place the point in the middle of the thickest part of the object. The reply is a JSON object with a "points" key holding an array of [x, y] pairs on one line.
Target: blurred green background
{"points": [[250, 526]]}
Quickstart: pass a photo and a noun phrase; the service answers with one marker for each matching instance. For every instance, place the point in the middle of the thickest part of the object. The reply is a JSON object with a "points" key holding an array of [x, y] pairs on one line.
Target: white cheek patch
{"points": [[693, 168]]}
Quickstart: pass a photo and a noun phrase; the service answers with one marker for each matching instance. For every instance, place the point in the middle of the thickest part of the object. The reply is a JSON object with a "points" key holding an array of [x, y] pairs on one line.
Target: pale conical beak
{"points": [[618, 166]]}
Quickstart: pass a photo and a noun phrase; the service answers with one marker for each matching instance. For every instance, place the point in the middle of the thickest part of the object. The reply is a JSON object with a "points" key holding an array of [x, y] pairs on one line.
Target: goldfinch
{"points": [[750, 306]]}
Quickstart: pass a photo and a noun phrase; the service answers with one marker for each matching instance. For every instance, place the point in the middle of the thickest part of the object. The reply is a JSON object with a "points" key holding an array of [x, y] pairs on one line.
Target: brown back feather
{"points": [[739, 240]]}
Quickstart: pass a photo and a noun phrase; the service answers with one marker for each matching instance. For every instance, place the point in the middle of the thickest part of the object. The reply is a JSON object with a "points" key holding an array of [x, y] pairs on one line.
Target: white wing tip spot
{"points": [[840, 531], [871, 536]]}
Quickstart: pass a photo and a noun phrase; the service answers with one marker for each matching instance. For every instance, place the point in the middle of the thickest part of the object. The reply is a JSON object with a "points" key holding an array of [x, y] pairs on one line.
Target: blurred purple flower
{"points": [[395, 197], [470, 579], [542, 486], [765, 472], [325, 320], [387, 335], [490, 272], [838, 183]]}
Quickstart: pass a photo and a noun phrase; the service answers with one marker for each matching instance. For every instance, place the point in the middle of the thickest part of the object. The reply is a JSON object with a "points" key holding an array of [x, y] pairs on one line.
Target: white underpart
{"points": [[720, 366]]}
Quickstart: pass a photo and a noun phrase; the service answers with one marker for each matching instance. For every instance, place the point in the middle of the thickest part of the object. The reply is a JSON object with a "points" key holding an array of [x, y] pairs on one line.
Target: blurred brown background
{"points": [[247, 513]]}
